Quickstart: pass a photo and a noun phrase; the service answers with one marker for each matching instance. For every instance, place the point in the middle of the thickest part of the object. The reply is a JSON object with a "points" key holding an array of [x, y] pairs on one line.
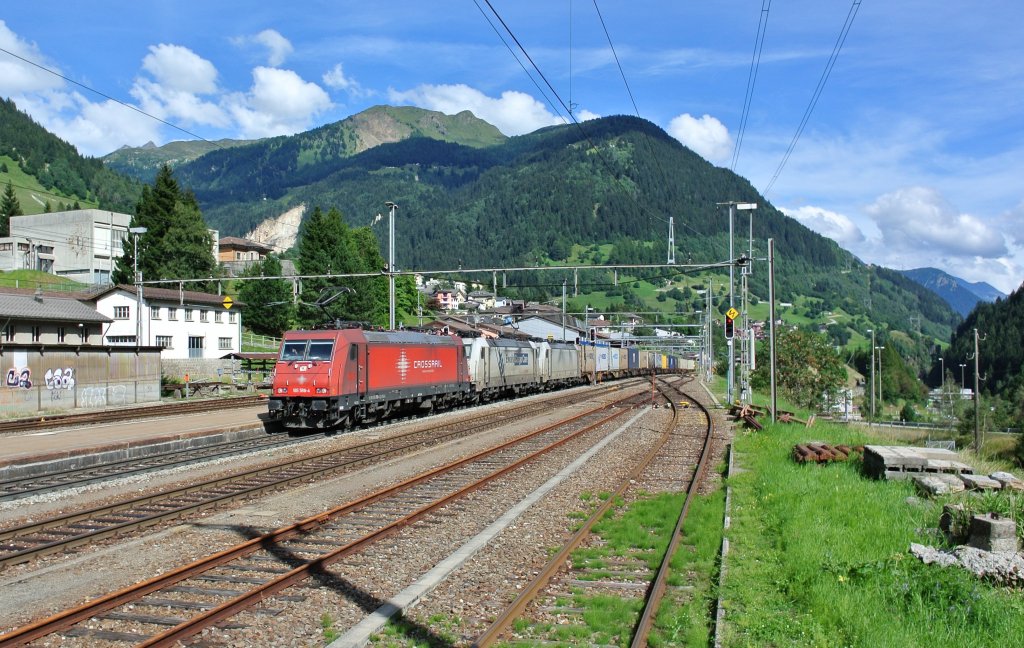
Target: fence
{"points": [[253, 342]]}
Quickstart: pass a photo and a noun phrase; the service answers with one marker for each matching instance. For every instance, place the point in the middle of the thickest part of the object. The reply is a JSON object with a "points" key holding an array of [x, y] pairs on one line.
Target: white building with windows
{"points": [[82, 245], [185, 324]]}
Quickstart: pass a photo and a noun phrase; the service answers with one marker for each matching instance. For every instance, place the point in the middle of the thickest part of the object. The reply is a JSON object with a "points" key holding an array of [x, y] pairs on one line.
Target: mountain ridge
{"points": [[963, 296]]}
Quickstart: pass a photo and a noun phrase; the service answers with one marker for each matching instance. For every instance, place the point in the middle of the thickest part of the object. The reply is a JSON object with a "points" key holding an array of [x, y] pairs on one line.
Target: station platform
{"points": [[66, 444]]}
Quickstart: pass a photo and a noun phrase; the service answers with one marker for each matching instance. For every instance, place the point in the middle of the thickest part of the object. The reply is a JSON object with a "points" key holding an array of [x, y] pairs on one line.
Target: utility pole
{"points": [[872, 332], [391, 264], [733, 206], [135, 232], [771, 316], [977, 400]]}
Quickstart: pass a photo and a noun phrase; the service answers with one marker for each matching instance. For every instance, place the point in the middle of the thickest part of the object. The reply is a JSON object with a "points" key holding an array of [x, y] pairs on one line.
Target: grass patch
{"points": [[820, 558]]}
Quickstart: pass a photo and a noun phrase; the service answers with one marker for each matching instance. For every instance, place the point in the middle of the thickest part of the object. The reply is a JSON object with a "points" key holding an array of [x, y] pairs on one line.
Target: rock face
{"points": [[280, 232]]}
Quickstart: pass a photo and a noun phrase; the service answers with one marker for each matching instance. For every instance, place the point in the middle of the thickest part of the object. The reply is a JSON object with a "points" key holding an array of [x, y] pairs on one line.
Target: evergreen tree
{"points": [[176, 244], [325, 248], [9, 206], [268, 302], [370, 303]]}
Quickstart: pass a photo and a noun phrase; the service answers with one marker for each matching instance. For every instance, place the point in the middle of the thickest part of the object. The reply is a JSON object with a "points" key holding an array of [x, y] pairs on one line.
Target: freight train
{"points": [[338, 378]]}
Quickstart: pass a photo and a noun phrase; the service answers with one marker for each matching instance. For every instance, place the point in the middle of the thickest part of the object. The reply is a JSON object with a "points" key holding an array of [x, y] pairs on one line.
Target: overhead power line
{"points": [[105, 96], [755, 64], [843, 33]]}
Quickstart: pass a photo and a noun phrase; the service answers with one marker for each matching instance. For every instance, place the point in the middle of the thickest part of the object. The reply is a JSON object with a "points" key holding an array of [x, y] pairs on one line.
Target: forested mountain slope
{"points": [[529, 199], [58, 168]]}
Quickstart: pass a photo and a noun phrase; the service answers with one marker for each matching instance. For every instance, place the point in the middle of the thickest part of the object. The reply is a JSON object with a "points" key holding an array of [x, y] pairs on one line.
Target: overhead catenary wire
{"points": [[755, 63], [565, 107], [840, 41]]}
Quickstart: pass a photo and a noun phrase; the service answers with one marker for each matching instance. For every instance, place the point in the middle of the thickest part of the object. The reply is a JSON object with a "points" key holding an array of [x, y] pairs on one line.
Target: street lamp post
{"points": [[963, 382], [733, 205], [391, 264], [942, 388], [135, 231]]}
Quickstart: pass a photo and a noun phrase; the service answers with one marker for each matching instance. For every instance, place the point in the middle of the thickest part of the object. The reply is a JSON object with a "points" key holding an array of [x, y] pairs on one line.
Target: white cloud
{"points": [[279, 102], [707, 136], [179, 68], [836, 226], [278, 47], [17, 77], [913, 218], [515, 113], [335, 78]]}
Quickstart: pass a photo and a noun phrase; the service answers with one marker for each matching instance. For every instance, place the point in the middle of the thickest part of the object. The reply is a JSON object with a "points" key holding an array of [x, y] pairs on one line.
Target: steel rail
{"points": [[70, 526], [64, 620], [50, 421], [657, 589], [515, 609]]}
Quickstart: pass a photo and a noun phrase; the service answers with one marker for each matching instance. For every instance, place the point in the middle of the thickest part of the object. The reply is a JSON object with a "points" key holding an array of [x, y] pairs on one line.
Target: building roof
{"points": [[49, 307], [244, 244], [168, 295]]}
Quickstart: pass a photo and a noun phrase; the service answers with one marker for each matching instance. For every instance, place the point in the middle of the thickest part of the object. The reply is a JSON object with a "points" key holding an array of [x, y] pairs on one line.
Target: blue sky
{"points": [[913, 156]]}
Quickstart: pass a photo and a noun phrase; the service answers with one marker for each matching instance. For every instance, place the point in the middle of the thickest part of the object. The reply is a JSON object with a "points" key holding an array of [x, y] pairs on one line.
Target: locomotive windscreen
{"points": [[307, 350]]}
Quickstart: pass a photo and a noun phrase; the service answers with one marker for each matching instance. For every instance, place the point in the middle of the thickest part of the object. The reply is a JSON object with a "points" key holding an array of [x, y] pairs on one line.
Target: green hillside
{"points": [[143, 162], [47, 170], [602, 192]]}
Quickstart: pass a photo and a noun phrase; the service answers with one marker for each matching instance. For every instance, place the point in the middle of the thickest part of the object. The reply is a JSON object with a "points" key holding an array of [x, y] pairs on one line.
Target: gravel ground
{"points": [[49, 585]]}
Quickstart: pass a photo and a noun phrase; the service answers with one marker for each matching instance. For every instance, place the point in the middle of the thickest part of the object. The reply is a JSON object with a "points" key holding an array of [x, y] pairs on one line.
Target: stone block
{"points": [[1008, 481], [980, 482], [937, 484], [993, 533], [953, 522]]}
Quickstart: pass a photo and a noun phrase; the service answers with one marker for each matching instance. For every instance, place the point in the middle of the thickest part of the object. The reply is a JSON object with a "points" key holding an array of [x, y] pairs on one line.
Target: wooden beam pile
{"points": [[817, 452], [749, 414]]}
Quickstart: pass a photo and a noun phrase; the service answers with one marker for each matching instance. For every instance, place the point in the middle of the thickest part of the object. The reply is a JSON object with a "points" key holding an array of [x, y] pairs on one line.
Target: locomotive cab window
{"points": [[320, 350], [293, 350]]}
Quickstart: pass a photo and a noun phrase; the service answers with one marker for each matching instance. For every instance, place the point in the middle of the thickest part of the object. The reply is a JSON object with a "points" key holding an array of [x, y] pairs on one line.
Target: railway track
{"points": [[62, 533], [51, 421], [57, 480], [211, 592], [632, 575]]}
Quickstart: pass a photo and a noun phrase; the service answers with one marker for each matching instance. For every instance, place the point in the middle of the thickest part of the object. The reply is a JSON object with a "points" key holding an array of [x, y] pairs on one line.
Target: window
{"points": [[9, 333], [165, 341], [224, 343], [84, 332], [231, 318], [35, 333], [121, 312], [195, 346], [60, 334], [204, 315], [189, 314], [217, 316], [154, 312], [121, 339], [6, 247], [172, 314]]}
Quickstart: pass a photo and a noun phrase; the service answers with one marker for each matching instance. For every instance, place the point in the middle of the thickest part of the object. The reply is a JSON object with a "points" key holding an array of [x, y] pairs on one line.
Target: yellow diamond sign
{"points": [[732, 313], [228, 302]]}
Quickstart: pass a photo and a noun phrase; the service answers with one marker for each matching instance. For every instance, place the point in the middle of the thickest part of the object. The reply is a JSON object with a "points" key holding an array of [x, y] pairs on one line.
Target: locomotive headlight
{"points": [[282, 390], [321, 390]]}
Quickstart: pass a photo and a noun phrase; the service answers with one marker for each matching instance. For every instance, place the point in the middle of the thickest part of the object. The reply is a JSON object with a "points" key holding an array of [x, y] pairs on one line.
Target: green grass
{"points": [[819, 557], [32, 279], [31, 195]]}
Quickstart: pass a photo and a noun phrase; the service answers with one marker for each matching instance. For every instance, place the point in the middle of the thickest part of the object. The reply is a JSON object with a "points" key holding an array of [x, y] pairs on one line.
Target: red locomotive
{"points": [[339, 378]]}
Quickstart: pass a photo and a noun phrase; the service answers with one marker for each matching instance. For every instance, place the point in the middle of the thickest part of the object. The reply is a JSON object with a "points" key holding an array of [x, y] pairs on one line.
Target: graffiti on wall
{"points": [[59, 380], [19, 378]]}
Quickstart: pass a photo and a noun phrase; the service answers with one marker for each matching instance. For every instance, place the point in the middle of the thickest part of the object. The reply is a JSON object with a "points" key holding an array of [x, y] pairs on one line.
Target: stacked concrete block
{"points": [[991, 532]]}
